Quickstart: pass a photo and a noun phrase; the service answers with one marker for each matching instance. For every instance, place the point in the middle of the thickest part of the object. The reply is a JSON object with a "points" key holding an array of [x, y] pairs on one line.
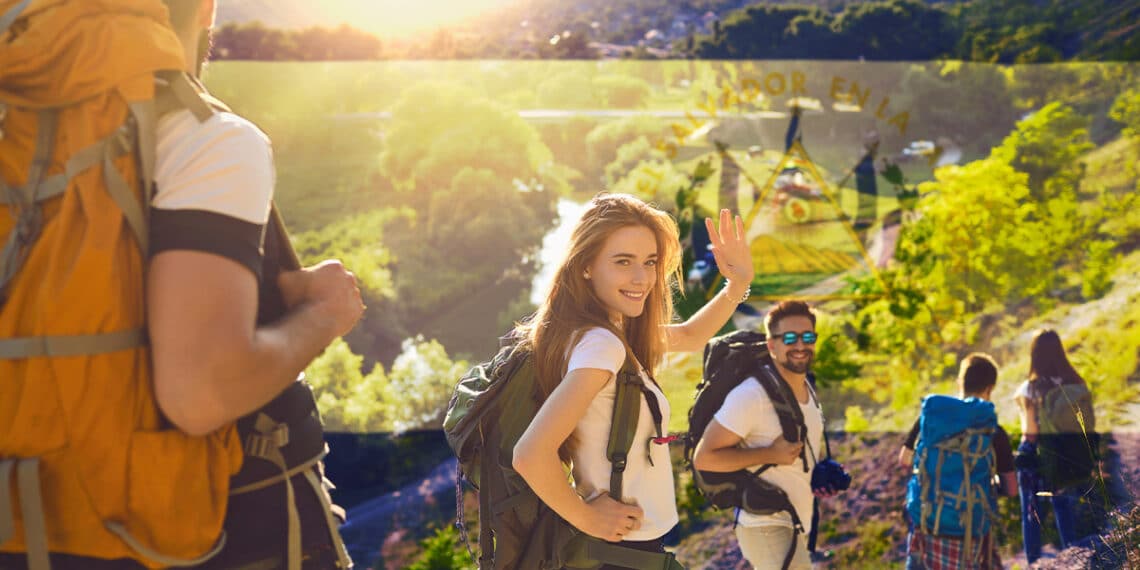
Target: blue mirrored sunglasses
{"points": [[809, 337]]}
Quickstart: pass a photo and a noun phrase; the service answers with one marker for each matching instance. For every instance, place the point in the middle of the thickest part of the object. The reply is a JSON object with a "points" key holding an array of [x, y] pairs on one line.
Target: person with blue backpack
{"points": [[955, 450]]}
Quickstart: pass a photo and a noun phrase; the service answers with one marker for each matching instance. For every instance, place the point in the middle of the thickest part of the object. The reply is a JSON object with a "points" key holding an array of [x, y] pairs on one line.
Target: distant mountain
{"points": [[999, 31]]}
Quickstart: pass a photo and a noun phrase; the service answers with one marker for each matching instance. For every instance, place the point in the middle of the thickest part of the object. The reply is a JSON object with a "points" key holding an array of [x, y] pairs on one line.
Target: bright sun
{"points": [[403, 17]]}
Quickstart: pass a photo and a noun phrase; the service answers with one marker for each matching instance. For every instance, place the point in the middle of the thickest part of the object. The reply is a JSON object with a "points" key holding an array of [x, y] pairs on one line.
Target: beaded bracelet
{"points": [[743, 298]]}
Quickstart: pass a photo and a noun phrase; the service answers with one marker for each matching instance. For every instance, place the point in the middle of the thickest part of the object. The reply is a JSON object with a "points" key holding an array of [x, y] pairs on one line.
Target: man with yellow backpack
{"points": [[153, 320]]}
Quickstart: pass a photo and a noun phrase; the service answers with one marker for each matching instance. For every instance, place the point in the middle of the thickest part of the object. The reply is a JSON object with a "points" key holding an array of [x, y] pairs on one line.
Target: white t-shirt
{"points": [[749, 413], [649, 486], [223, 165], [214, 181], [1027, 395]]}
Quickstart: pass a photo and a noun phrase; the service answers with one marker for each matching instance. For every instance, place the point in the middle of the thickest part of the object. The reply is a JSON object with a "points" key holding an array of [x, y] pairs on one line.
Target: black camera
{"points": [[830, 475]]}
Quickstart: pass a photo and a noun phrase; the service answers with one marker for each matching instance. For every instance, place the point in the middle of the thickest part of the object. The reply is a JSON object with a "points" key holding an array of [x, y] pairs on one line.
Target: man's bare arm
{"points": [[719, 451], [212, 364]]}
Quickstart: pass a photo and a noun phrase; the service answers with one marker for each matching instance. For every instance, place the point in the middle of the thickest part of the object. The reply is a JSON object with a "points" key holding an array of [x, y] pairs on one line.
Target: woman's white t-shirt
{"points": [[649, 486]]}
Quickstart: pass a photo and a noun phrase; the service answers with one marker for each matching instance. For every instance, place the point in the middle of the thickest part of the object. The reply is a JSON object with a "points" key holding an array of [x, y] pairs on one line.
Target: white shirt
{"points": [[214, 182], [222, 165], [648, 486], [749, 413]]}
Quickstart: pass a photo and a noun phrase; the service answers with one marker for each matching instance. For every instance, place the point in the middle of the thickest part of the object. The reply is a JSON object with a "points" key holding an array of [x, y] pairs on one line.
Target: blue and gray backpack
{"points": [[951, 492]]}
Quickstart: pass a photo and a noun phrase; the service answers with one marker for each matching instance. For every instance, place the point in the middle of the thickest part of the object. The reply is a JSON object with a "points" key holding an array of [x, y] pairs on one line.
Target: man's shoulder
{"points": [[749, 389], [223, 165], [182, 127]]}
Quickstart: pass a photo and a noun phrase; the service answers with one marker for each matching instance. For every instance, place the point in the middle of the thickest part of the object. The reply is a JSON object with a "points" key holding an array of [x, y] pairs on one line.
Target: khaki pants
{"points": [[766, 546]]}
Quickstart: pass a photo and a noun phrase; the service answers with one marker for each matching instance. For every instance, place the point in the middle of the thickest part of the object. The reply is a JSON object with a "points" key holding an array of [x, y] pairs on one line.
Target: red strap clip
{"points": [[665, 440]]}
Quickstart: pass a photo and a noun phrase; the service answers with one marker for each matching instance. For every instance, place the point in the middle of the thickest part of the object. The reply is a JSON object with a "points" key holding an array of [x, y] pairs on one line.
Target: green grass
{"points": [[679, 376], [1113, 165], [773, 285]]}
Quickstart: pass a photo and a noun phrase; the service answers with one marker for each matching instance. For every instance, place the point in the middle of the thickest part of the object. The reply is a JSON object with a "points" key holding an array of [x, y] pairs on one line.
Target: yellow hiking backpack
{"points": [[88, 466]]}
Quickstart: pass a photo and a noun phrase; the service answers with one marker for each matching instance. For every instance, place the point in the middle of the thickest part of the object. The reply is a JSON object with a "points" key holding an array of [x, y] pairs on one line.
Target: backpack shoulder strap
{"points": [[178, 90], [627, 409], [788, 411]]}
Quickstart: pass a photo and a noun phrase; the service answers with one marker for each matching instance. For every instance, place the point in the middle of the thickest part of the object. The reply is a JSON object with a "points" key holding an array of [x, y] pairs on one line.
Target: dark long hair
{"points": [[1047, 359]]}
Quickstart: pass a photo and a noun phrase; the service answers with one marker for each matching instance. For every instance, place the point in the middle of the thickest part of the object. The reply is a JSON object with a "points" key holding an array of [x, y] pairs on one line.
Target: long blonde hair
{"points": [[571, 307]]}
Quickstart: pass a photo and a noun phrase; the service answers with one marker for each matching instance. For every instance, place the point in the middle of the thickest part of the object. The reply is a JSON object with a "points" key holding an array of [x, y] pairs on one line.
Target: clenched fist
{"points": [[327, 286]]}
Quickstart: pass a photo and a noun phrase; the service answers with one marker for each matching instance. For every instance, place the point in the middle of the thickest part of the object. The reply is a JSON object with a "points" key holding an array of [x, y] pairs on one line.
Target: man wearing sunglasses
{"points": [[746, 434]]}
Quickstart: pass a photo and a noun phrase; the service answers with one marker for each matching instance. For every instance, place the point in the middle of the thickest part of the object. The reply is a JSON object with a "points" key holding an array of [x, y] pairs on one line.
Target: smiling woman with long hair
{"points": [[611, 300]]}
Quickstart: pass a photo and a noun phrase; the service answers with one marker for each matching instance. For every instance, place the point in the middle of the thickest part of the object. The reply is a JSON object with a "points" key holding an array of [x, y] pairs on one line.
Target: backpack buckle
{"points": [[619, 464]]}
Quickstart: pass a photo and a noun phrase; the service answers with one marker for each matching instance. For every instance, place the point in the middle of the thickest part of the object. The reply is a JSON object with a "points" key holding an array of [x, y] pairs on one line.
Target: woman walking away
{"points": [[1057, 455]]}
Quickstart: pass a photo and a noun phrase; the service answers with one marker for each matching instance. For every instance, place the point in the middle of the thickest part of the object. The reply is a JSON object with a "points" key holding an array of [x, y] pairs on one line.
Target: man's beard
{"points": [[205, 42], [798, 366]]}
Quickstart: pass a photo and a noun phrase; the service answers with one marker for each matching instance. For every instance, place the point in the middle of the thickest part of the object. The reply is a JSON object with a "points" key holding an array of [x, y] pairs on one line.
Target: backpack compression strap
{"points": [[596, 549], [10, 16], [31, 504]]}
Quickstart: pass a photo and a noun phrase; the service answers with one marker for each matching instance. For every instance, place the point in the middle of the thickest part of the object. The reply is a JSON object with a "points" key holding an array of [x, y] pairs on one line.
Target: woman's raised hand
{"points": [[730, 249]]}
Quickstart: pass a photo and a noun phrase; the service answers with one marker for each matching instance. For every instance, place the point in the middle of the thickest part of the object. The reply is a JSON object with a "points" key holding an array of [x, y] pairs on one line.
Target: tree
{"points": [[971, 104], [438, 129], [419, 386], [987, 241], [254, 41], [603, 142], [1126, 110], [482, 187], [412, 395], [654, 179], [894, 30], [622, 92], [1047, 146], [348, 400], [568, 90]]}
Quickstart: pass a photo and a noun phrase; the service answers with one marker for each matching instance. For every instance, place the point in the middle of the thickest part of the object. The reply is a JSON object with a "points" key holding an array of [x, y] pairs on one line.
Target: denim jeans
{"points": [[1064, 512]]}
